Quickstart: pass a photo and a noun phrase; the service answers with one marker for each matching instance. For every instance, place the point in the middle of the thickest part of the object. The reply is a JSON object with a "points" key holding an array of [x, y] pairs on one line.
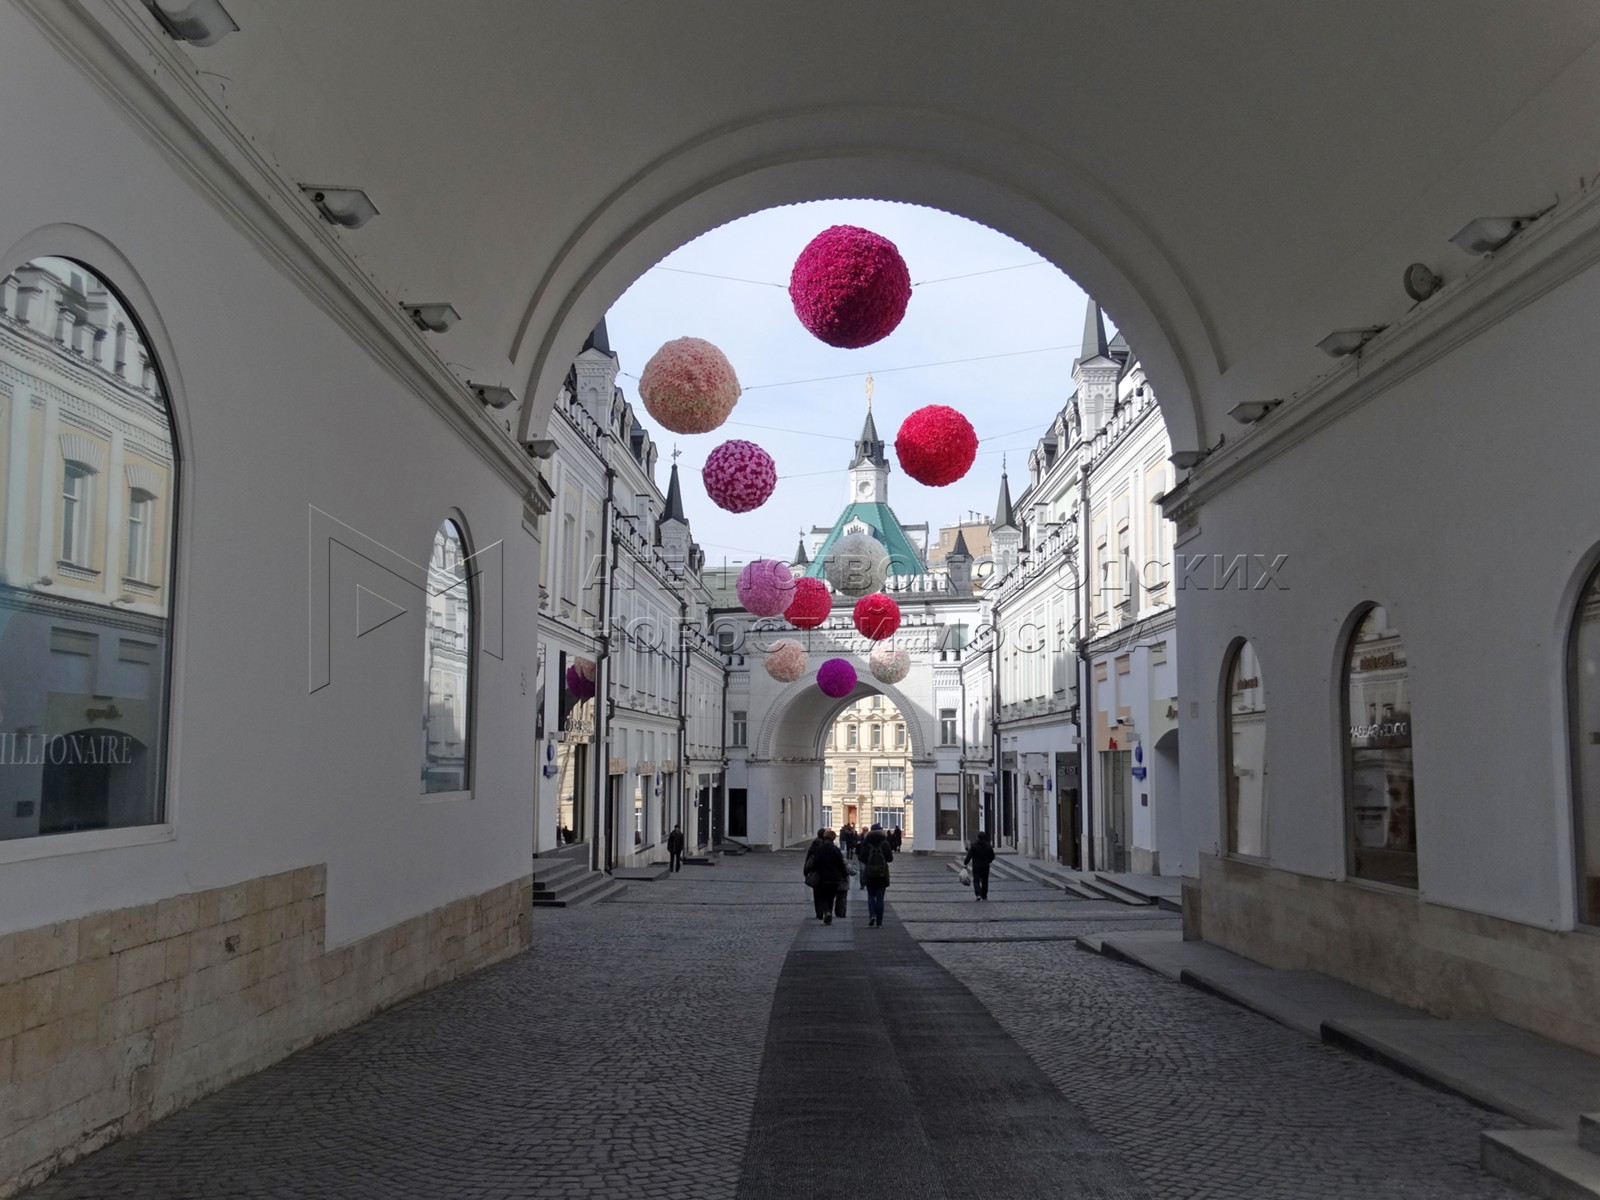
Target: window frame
{"points": [[76, 543], [467, 693], [1346, 644]]}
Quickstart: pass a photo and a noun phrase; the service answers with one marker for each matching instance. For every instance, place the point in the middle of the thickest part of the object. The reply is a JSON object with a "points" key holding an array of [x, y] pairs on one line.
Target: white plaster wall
{"points": [[279, 409], [1461, 498]]}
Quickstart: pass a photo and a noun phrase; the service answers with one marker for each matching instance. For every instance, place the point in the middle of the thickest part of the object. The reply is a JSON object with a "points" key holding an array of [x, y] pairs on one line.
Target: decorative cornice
{"points": [[1552, 250], [117, 45]]}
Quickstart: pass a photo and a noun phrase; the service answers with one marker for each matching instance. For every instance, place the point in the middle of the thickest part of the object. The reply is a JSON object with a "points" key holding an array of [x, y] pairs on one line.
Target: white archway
{"points": [[1029, 192]]}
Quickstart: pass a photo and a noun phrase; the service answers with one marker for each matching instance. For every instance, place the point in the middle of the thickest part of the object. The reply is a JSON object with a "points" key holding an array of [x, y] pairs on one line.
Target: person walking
{"points": [[876, 855], [826, 875], [980, 854], [895, 838], [675, 849]]}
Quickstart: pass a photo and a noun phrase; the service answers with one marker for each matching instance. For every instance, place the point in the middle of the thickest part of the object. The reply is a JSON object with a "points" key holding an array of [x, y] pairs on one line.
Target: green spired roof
{"points": [[885, 527]]}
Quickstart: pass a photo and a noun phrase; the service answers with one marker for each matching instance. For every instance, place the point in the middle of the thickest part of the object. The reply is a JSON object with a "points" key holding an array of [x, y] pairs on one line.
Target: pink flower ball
{"points": [[850, 286], [765, 587], [876, 616], [739, 476], [580, 687], [585, 667], [936, 445], [889, 665], [810, 604], [785, 660], [689, 386], [836, 678]]}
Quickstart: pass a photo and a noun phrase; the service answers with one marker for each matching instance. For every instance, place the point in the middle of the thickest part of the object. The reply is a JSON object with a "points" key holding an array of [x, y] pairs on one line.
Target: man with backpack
{"points": [[876, 854]]}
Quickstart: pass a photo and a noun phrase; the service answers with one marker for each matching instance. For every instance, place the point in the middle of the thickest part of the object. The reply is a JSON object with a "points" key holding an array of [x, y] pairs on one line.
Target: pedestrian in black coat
{"points": [[675, 849], [826, 874], [980, 854], [876, 853]]}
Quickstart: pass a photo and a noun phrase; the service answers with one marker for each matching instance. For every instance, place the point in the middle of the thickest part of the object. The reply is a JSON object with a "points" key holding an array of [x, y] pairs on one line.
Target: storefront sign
{"points": [[1140, 772], [1388, 660]]}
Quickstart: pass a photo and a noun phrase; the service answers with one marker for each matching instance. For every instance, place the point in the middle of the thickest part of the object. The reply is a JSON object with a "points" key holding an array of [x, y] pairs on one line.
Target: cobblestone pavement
{"points": [[622, 1056]]}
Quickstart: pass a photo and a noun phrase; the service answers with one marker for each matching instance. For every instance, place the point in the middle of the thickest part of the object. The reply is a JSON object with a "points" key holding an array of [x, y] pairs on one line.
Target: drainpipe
{"points": [[683, 705], [602, 686], [712, 815], [1085, 700]]}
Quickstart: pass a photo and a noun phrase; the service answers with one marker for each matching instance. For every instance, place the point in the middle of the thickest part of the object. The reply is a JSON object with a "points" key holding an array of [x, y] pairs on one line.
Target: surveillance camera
{"points": [[492, 394]]}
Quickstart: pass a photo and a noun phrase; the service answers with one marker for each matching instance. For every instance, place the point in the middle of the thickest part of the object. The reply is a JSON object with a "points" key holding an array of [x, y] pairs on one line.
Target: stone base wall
{"points": [[1447, 961], [113, 1020]]}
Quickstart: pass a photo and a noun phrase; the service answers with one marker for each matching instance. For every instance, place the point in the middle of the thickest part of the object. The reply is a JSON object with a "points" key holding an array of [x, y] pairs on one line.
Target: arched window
{"points": [[85, 650], [1583, 678], [447, 666], [1246, 750], [1380, 797]]}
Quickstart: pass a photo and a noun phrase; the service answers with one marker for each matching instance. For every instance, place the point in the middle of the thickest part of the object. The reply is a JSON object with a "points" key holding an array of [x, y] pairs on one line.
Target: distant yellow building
{"points": [[866, 772]]}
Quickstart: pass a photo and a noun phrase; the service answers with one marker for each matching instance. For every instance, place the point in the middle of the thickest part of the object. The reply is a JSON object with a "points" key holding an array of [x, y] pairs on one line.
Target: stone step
{"points": [[553, 879], [1115, 891], [1548, 1163], [1589, 1132], [604, 889]]}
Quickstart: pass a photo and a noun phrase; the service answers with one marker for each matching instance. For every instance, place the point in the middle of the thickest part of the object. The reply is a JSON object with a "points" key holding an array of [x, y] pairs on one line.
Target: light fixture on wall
{"points": [[1187, 460], [492, 394], [1420, 281], [345, 206], [198, 22], [433, 317], [542, 447], [1248, 412], [1342, 342], [1483, 235]]}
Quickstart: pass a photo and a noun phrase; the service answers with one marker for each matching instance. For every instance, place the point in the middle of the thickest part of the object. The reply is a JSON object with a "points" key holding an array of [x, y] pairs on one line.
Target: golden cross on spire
{"points": [[869, 393]]}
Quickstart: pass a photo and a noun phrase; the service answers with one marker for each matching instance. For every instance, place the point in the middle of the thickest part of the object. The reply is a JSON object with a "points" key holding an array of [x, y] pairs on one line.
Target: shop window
{"points": [[1584, 682], [1380, 795], [85, 674], [1245, 774], [447, 727]]}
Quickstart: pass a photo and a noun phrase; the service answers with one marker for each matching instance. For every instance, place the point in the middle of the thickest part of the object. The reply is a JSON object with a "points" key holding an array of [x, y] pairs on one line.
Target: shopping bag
{"points": [[965, 877]]}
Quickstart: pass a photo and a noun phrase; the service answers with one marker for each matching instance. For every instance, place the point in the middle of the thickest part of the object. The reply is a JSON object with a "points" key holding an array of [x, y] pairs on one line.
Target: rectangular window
{"points": [[877, 737], [827, 779], [737, 737], [852, 737], [75, 515], [947, 727], [137, 564], [899, 737], [850, 780], [889, 779]]}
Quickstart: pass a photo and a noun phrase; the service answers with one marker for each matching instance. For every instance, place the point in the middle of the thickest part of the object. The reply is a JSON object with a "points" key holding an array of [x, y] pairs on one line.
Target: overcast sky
{"points": [[1033, 316]]}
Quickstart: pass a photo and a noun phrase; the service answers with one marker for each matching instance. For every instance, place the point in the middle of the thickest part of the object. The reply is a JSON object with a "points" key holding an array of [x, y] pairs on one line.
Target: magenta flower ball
{"points": [[876, 616], [785, 660], [936, 445], [765, 587], [688, 386], [850, 286], [580, 687], [889, 665], [739, 476], [836, 678]]}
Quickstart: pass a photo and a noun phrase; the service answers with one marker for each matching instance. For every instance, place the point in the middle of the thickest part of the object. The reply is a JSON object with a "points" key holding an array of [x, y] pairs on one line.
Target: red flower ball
{"points": [[739, 476], [877, 616], [581, 688], [850, 286], [936, 445], [810, 604]]}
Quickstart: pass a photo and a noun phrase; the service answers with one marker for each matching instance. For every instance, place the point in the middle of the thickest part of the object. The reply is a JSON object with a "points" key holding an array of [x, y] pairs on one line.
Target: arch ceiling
{"points": [[1231, 181]]}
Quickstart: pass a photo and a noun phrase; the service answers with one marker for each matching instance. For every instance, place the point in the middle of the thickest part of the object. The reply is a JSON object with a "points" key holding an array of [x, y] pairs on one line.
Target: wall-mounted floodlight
{"points": [[492, 394], [1420, 282], [1248, 412], [542, 447], [1186, 460], [341, 205], [1342, 342], [434, 318], [198, 22], [1481, 235]]}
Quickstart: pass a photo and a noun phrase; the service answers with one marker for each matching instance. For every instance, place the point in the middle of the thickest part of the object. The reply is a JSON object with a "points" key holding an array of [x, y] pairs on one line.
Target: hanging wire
{"points": [[1038, 262]]}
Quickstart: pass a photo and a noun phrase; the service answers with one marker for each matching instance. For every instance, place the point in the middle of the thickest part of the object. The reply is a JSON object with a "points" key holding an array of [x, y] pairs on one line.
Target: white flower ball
{"points": [[857, 565]]}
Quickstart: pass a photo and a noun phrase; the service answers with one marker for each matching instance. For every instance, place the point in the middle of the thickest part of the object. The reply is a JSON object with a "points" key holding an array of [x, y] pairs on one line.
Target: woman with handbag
{"points": [[826, 873]]}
